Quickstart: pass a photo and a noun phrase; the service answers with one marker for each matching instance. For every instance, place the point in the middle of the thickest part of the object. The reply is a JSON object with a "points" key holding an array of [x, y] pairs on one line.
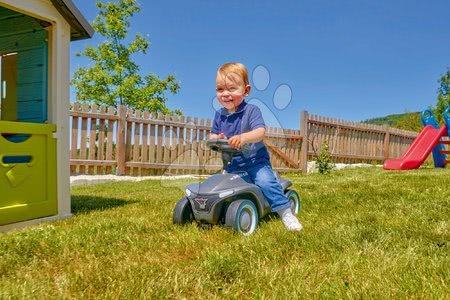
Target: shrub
{"points": [[324, 162]]}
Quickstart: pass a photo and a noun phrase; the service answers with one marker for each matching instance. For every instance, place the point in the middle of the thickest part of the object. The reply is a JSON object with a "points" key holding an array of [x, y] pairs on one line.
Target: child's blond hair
{"points": [[236, 68]]}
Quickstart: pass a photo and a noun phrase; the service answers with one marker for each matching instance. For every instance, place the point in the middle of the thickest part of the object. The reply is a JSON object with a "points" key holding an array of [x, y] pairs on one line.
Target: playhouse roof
{"points": [[79, 27]]}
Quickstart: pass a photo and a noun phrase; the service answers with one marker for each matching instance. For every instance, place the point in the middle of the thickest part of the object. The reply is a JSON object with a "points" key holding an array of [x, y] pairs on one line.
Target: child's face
{"points": [[231, 90]]}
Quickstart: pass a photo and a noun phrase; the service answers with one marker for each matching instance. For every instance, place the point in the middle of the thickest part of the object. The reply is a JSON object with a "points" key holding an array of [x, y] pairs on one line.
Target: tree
{"points": [[443, 96], [410, 121], [114, 78]]}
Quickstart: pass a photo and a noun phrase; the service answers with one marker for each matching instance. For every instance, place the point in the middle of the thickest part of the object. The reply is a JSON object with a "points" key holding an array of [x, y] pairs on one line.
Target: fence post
{"points": [[120, 139], [386, 142], [304, 135]]}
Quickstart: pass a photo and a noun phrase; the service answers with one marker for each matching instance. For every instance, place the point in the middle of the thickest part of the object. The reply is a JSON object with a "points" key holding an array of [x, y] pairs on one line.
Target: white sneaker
{"points": [[289, 220]]}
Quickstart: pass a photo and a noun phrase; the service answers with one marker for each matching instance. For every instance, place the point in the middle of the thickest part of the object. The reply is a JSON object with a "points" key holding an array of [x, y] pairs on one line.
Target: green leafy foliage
{"points": [[324, 162], [113, 77], [443, 97], [411, 122]]}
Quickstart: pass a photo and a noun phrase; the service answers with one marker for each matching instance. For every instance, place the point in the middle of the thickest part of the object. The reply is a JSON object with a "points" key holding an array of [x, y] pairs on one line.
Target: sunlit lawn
{"points": [[367, 233]]}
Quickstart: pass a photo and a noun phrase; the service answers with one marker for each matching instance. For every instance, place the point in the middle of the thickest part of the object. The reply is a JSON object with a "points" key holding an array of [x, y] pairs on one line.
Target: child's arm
{"points": [[253, 136]]}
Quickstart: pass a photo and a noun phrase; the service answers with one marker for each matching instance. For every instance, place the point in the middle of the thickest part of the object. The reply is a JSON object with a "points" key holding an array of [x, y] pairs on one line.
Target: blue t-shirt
{"points": [[247, 117]]}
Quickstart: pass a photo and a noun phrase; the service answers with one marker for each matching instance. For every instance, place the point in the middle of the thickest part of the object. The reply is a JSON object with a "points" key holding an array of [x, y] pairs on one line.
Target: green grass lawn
{"points": [[367, 233]]}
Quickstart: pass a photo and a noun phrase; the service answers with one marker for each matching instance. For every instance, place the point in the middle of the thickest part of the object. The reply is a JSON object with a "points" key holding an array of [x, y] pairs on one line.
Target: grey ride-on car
{"points": [[227, 199]]}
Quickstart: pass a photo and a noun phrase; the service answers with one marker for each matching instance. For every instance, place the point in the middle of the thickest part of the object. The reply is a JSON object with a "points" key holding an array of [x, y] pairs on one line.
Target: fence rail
{"points": [[107, 140]]}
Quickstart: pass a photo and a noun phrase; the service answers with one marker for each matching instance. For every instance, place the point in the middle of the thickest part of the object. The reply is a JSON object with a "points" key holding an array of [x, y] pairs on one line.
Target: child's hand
{"points": [[217, 136], [236, 141]]}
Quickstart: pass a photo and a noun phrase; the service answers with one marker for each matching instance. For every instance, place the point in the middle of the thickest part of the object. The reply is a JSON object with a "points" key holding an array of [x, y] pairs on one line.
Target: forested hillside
{"points": [[406, 121]]}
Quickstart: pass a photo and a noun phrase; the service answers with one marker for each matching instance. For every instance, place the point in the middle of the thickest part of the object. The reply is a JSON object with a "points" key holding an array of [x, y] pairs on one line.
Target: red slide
{"points": [[419, 150]]}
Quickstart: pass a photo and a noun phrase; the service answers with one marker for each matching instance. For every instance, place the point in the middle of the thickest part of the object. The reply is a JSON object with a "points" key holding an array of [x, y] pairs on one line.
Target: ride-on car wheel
{"points": [[295, 201], [242, 216], [182, 213]]}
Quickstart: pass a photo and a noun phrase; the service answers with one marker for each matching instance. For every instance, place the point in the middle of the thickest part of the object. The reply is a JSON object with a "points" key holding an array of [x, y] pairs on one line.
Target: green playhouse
{"points": [[35, 38]]}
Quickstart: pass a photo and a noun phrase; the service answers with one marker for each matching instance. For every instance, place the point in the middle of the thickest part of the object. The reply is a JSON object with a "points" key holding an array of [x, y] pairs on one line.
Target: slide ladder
{"points": [[439, 156], [446, 142]]}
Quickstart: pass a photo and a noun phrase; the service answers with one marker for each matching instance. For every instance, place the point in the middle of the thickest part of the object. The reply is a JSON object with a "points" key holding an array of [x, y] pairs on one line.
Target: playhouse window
{"points": [[23, 67]]}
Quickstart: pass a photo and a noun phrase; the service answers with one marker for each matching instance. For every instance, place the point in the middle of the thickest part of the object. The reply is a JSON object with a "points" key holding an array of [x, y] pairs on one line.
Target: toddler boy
{"points": [[242, 123]]}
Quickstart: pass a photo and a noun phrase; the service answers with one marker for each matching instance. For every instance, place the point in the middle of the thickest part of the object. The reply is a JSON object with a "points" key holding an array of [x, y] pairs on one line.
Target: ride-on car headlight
{"points": [[225, 194], [188, 192]]}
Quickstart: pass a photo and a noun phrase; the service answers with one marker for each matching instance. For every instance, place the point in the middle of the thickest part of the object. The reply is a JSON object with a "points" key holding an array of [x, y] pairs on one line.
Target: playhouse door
{"points": [[27, 171]]}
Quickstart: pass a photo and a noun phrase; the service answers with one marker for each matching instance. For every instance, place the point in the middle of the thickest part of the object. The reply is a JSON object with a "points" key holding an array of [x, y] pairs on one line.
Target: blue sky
{"points": [[347, 59]]}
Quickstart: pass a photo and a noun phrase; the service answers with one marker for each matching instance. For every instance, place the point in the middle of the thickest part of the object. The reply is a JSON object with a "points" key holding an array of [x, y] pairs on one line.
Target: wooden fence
{"points": [[352, 142], [107, 140]]}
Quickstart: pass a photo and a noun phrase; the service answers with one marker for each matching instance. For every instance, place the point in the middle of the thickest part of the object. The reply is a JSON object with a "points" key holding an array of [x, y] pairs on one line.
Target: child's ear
{"points": [[247, 90]]}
